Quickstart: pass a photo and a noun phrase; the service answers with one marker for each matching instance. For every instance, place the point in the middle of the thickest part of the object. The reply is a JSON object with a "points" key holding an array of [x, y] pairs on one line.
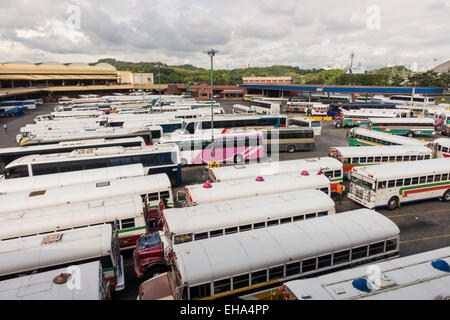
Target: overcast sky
{"points": [[303, 33]]}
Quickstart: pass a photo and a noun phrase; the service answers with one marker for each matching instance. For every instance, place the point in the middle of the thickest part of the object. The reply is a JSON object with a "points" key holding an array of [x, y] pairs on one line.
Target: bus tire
{"points": [[155, 271], [238, 159], [291, 148], [392, 203], [446, 196], [410, 134]]}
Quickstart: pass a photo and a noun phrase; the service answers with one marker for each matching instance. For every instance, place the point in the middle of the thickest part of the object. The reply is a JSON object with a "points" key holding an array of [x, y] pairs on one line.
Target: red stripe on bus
{"points": [[406, 193]]}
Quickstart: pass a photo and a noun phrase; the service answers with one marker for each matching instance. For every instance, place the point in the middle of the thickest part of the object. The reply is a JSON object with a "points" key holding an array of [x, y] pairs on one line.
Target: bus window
{"points": [[17, 172], [42, 169]]}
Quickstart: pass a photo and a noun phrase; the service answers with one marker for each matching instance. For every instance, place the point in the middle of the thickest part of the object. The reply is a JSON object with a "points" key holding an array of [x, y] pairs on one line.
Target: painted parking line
{"points": [[426, 238], [418, 214]]}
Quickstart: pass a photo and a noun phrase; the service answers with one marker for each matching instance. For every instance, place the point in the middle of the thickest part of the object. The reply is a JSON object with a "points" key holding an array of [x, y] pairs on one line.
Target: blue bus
{"points": [[12, 108]]}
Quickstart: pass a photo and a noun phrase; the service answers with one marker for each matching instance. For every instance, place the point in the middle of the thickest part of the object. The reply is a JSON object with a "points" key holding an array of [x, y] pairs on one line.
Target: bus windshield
{"points": [[315, 124], [362, 183]]}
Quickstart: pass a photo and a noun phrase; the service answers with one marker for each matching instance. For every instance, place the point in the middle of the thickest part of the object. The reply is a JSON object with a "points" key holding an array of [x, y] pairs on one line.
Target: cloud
{"points": [[303, 33]]}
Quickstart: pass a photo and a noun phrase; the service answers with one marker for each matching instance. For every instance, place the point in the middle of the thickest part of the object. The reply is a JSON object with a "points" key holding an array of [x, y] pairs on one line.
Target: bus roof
{"points": [[95, 153], [402, 120], [411, 277], [348, 152], [217, 258], [243, 188], [245, 211], [308, 120], [64, 144], [41, 251], [390, 171], [389, 137], [273, 168], [40, 286], [67, 216], [70, 178], [55, 196], [445, 142]]}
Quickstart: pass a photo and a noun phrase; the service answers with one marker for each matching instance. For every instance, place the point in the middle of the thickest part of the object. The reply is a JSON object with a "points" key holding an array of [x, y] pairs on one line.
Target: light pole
{"points": [[212, 53], [159, 82]]}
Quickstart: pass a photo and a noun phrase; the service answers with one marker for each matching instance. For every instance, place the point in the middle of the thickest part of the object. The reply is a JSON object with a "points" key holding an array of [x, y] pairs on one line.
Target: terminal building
{"points": [[50, 80]]}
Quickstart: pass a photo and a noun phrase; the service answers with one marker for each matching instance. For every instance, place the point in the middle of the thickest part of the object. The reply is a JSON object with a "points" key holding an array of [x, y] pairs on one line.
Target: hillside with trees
{"points": [[189, 74]]}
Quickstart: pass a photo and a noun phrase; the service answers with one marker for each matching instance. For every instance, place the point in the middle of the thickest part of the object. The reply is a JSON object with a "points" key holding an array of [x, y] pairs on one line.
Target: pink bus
{"points": [[234, 147]]}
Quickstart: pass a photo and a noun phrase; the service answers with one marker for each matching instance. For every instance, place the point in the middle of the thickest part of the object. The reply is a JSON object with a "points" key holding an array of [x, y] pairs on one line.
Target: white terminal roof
{"points": [[243, 188], [246, 211], [40, 286], [30, 253], [216, 258], [274, 168], [389, 137], [405, 169], [382, 151], [412, 277], [56, 196]]}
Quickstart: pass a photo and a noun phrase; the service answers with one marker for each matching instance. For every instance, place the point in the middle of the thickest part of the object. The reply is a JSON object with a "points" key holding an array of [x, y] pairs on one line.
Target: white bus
{"points": [[218, 219], [351, 157], [155, 159], [330, 167], [222, 218], [8, 155], [403, 126], [152, 188], [360, 117], [226, 148], [55, 250], [240, 108], [100, 133], [364, 137], [244, 263], [85, 282], [442, 147], [61, 116], [316, 125], [70, 178], [129, 211], [392, 184], [265, 107], [29, 104], [416, 277], [244, 188]]}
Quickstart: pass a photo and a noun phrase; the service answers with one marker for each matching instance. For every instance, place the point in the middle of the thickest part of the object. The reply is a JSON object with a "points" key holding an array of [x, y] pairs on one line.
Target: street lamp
{"points": [[159, 86], [212, 53]]}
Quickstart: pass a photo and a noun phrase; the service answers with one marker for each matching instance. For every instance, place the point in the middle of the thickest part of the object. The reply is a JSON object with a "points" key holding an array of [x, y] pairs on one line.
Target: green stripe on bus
{"points": [[423, 186], [131, 229]]}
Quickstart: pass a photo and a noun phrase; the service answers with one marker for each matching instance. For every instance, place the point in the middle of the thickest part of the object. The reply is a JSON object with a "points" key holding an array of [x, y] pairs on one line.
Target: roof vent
{"points": [[362, 284], [260, 179], [305, 173], [52, 238], [61, 278], [207, 185], [441, 265]]}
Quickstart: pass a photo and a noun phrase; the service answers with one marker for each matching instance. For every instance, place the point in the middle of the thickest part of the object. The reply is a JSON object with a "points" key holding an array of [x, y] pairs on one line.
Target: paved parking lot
{"points": [[424, 225]]}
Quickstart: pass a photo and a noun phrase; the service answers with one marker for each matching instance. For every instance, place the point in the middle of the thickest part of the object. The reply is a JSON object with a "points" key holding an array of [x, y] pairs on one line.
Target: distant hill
{"points": [[189, 74]]}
